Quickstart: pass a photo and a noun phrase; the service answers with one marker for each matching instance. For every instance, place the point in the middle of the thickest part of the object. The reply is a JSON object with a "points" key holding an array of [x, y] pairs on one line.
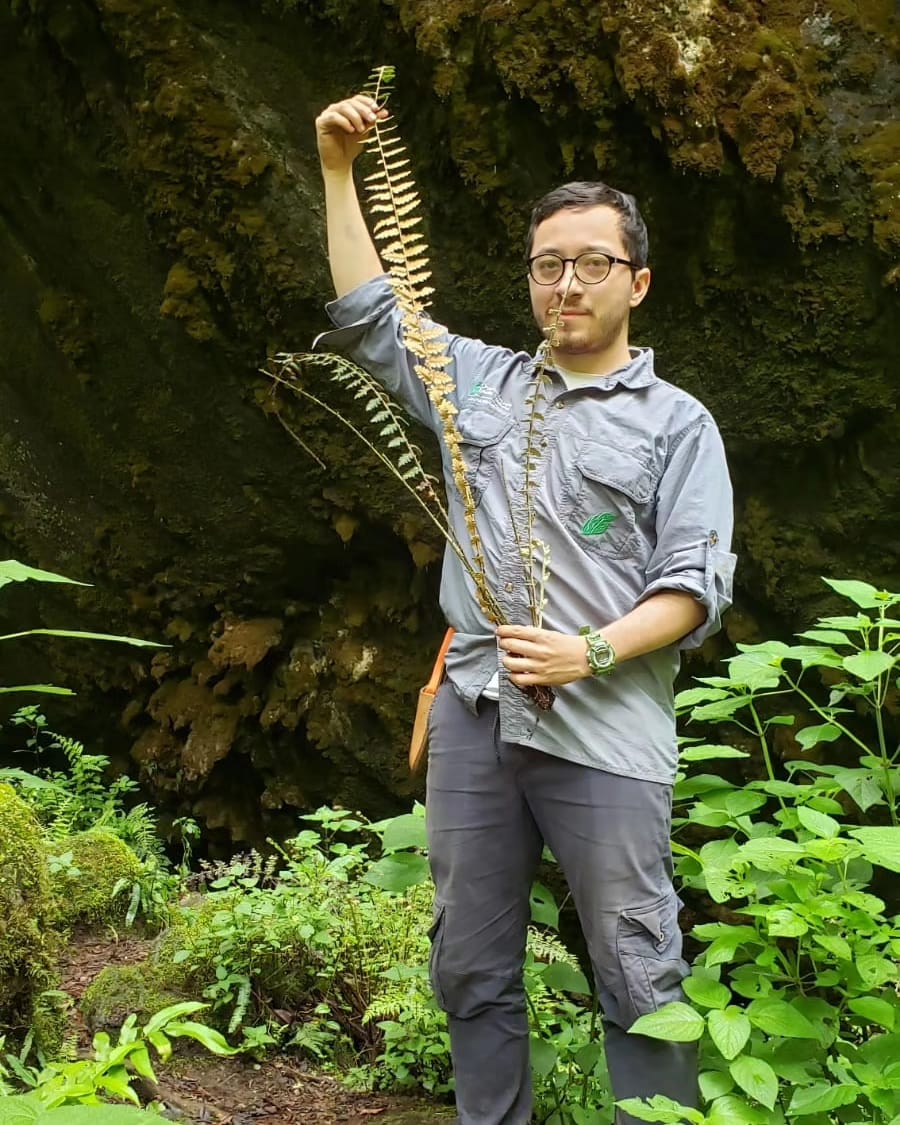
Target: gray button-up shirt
{"points": [[631, 494]]}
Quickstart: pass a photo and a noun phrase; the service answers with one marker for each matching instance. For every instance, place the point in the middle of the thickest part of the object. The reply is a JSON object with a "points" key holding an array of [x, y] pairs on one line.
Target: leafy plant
{"points": [[794, 998], [111, 1071], [12, 571]]}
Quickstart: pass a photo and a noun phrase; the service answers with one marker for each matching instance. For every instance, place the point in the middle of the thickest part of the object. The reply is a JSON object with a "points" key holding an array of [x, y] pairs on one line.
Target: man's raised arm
{"points": [[339, 130]]}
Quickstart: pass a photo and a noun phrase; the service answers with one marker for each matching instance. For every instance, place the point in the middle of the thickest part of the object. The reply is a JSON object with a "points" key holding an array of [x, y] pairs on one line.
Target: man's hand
{"points": [[540, 656], [340, 129]]}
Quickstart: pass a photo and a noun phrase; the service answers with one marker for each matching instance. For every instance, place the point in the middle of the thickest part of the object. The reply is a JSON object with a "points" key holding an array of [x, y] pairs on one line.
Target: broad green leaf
{"points": [[861, 621], [543, 1056], [785, 923], [659, 1108], [706, 992], [544, 910], [880, 845], [27, 780], [208, 1037], [815, 656], [398, 872], [729, 1030], [818, 823], [771, 853], [875, 1010], [777, 1017], [83, 636], [41, 689], [588, 1056], [706, 753], [861, 786], [722, 709], [755, 670], [869, 665], [735, 801], [861, 593], [564, 978], [777, 788], [756, 1078], [715, 1084], [876, 971], [702, 783], [824, 732], [20, 1109], [158, 1021], [732, 1110], [12, 571], [406, 831], [723, 949], [826, 636], [836, 946], [821, 1098], [692, 696], [676, 1022]]}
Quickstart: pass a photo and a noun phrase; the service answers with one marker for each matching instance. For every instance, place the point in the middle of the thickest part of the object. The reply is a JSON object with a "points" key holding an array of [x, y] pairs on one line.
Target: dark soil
{"points": [[202, 1089]]}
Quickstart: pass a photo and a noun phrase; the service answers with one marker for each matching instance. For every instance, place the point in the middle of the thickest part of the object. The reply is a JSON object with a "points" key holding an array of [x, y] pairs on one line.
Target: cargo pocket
{"points": [[436, 935], [648, 944], [607, 487], [481, 432]]}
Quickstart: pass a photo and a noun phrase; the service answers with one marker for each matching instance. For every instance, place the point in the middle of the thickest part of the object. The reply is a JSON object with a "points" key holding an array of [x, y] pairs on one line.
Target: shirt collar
{"points": [[633, 375]]}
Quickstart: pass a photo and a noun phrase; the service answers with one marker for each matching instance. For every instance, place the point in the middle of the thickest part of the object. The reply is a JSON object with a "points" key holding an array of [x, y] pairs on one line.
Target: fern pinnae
{"points": [[392, 192], [423, 492]]}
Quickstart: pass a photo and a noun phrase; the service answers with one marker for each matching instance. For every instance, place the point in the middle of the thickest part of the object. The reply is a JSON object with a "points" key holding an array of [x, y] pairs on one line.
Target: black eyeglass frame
{"points": [[611, 258]]}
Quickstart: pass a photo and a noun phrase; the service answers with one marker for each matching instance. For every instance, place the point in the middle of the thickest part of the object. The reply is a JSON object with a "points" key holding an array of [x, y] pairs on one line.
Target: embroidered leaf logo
{"points": [[596, 525]]}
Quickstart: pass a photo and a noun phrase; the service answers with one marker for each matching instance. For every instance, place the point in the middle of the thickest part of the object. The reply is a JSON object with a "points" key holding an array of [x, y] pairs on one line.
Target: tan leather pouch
{"points": [[418, 744]]}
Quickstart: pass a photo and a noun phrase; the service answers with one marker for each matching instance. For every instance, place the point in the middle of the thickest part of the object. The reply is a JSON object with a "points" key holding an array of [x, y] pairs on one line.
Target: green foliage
{"points": [[83, 798], [12, 571], [113, 1067], [794, 999]]}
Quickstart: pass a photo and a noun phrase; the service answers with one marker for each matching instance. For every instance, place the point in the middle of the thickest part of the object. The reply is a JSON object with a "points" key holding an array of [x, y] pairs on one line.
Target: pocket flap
{"points": [[482, 427], [612, 466]]}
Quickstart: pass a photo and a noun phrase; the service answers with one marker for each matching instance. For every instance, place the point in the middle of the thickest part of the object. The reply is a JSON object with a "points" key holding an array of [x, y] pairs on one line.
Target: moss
{"points": [[26, 940], [120, 990], [101, 860]]}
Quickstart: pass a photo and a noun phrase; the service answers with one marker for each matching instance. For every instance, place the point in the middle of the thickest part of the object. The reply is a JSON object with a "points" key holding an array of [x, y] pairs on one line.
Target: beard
{"points": [[598, 333]]}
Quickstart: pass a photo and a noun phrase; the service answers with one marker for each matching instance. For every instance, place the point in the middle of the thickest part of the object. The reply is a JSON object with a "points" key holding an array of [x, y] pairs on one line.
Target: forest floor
{"points": [[202, 1089]]}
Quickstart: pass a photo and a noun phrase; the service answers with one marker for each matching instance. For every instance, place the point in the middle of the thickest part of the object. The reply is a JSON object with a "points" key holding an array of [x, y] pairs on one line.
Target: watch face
{"points": [[600, 655]]}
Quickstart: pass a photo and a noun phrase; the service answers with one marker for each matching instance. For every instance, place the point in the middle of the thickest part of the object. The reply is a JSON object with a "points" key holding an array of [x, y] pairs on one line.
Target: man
{"points": [[633, 498]]}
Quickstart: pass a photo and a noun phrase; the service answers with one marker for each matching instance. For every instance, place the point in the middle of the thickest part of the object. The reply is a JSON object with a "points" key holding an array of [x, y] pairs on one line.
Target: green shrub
{"points": [[794, 998]]}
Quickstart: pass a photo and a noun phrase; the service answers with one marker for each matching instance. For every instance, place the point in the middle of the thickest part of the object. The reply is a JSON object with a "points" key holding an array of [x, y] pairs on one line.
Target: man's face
{"points": [[594, 319]]}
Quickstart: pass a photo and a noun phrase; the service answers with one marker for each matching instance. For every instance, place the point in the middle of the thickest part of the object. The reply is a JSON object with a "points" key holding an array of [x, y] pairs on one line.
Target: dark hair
{"points": [[595, 194]]}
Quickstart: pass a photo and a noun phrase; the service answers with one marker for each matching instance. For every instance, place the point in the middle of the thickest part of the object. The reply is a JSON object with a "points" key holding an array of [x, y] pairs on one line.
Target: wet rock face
{"points": [[162, 235]]}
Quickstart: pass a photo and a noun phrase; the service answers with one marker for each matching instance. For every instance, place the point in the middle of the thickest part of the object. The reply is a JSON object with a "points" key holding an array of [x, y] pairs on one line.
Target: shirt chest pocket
{"points": [[609, 490], [481, 434]]}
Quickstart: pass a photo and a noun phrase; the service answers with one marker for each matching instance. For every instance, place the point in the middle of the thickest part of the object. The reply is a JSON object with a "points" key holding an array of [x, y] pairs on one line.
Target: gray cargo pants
{"points": [[491, 807]]}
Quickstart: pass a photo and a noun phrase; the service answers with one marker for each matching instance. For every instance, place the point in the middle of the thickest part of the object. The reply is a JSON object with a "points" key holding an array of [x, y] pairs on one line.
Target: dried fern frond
{"points": [[392, 193], [404, 461]]}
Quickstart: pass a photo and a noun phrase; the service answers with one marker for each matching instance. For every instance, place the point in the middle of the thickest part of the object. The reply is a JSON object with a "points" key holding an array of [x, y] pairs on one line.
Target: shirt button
{"points": [[508, 587], [559, 405]]}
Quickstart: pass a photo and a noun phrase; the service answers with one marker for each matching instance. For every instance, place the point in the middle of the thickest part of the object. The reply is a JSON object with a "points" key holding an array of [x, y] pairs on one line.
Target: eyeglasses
{"points": [[590, 268]]}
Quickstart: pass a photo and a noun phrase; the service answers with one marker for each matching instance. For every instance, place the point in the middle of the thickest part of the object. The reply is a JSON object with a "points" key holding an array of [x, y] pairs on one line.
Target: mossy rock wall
{"points": [[26, 917], [163, 234]]}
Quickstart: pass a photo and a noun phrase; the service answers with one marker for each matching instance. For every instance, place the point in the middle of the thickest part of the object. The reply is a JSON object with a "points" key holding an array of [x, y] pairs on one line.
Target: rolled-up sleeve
{"points": [[694, 523]]}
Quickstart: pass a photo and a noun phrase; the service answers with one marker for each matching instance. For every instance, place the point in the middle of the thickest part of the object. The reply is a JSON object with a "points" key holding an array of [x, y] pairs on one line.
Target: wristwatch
{"points": [[601, 656]]}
